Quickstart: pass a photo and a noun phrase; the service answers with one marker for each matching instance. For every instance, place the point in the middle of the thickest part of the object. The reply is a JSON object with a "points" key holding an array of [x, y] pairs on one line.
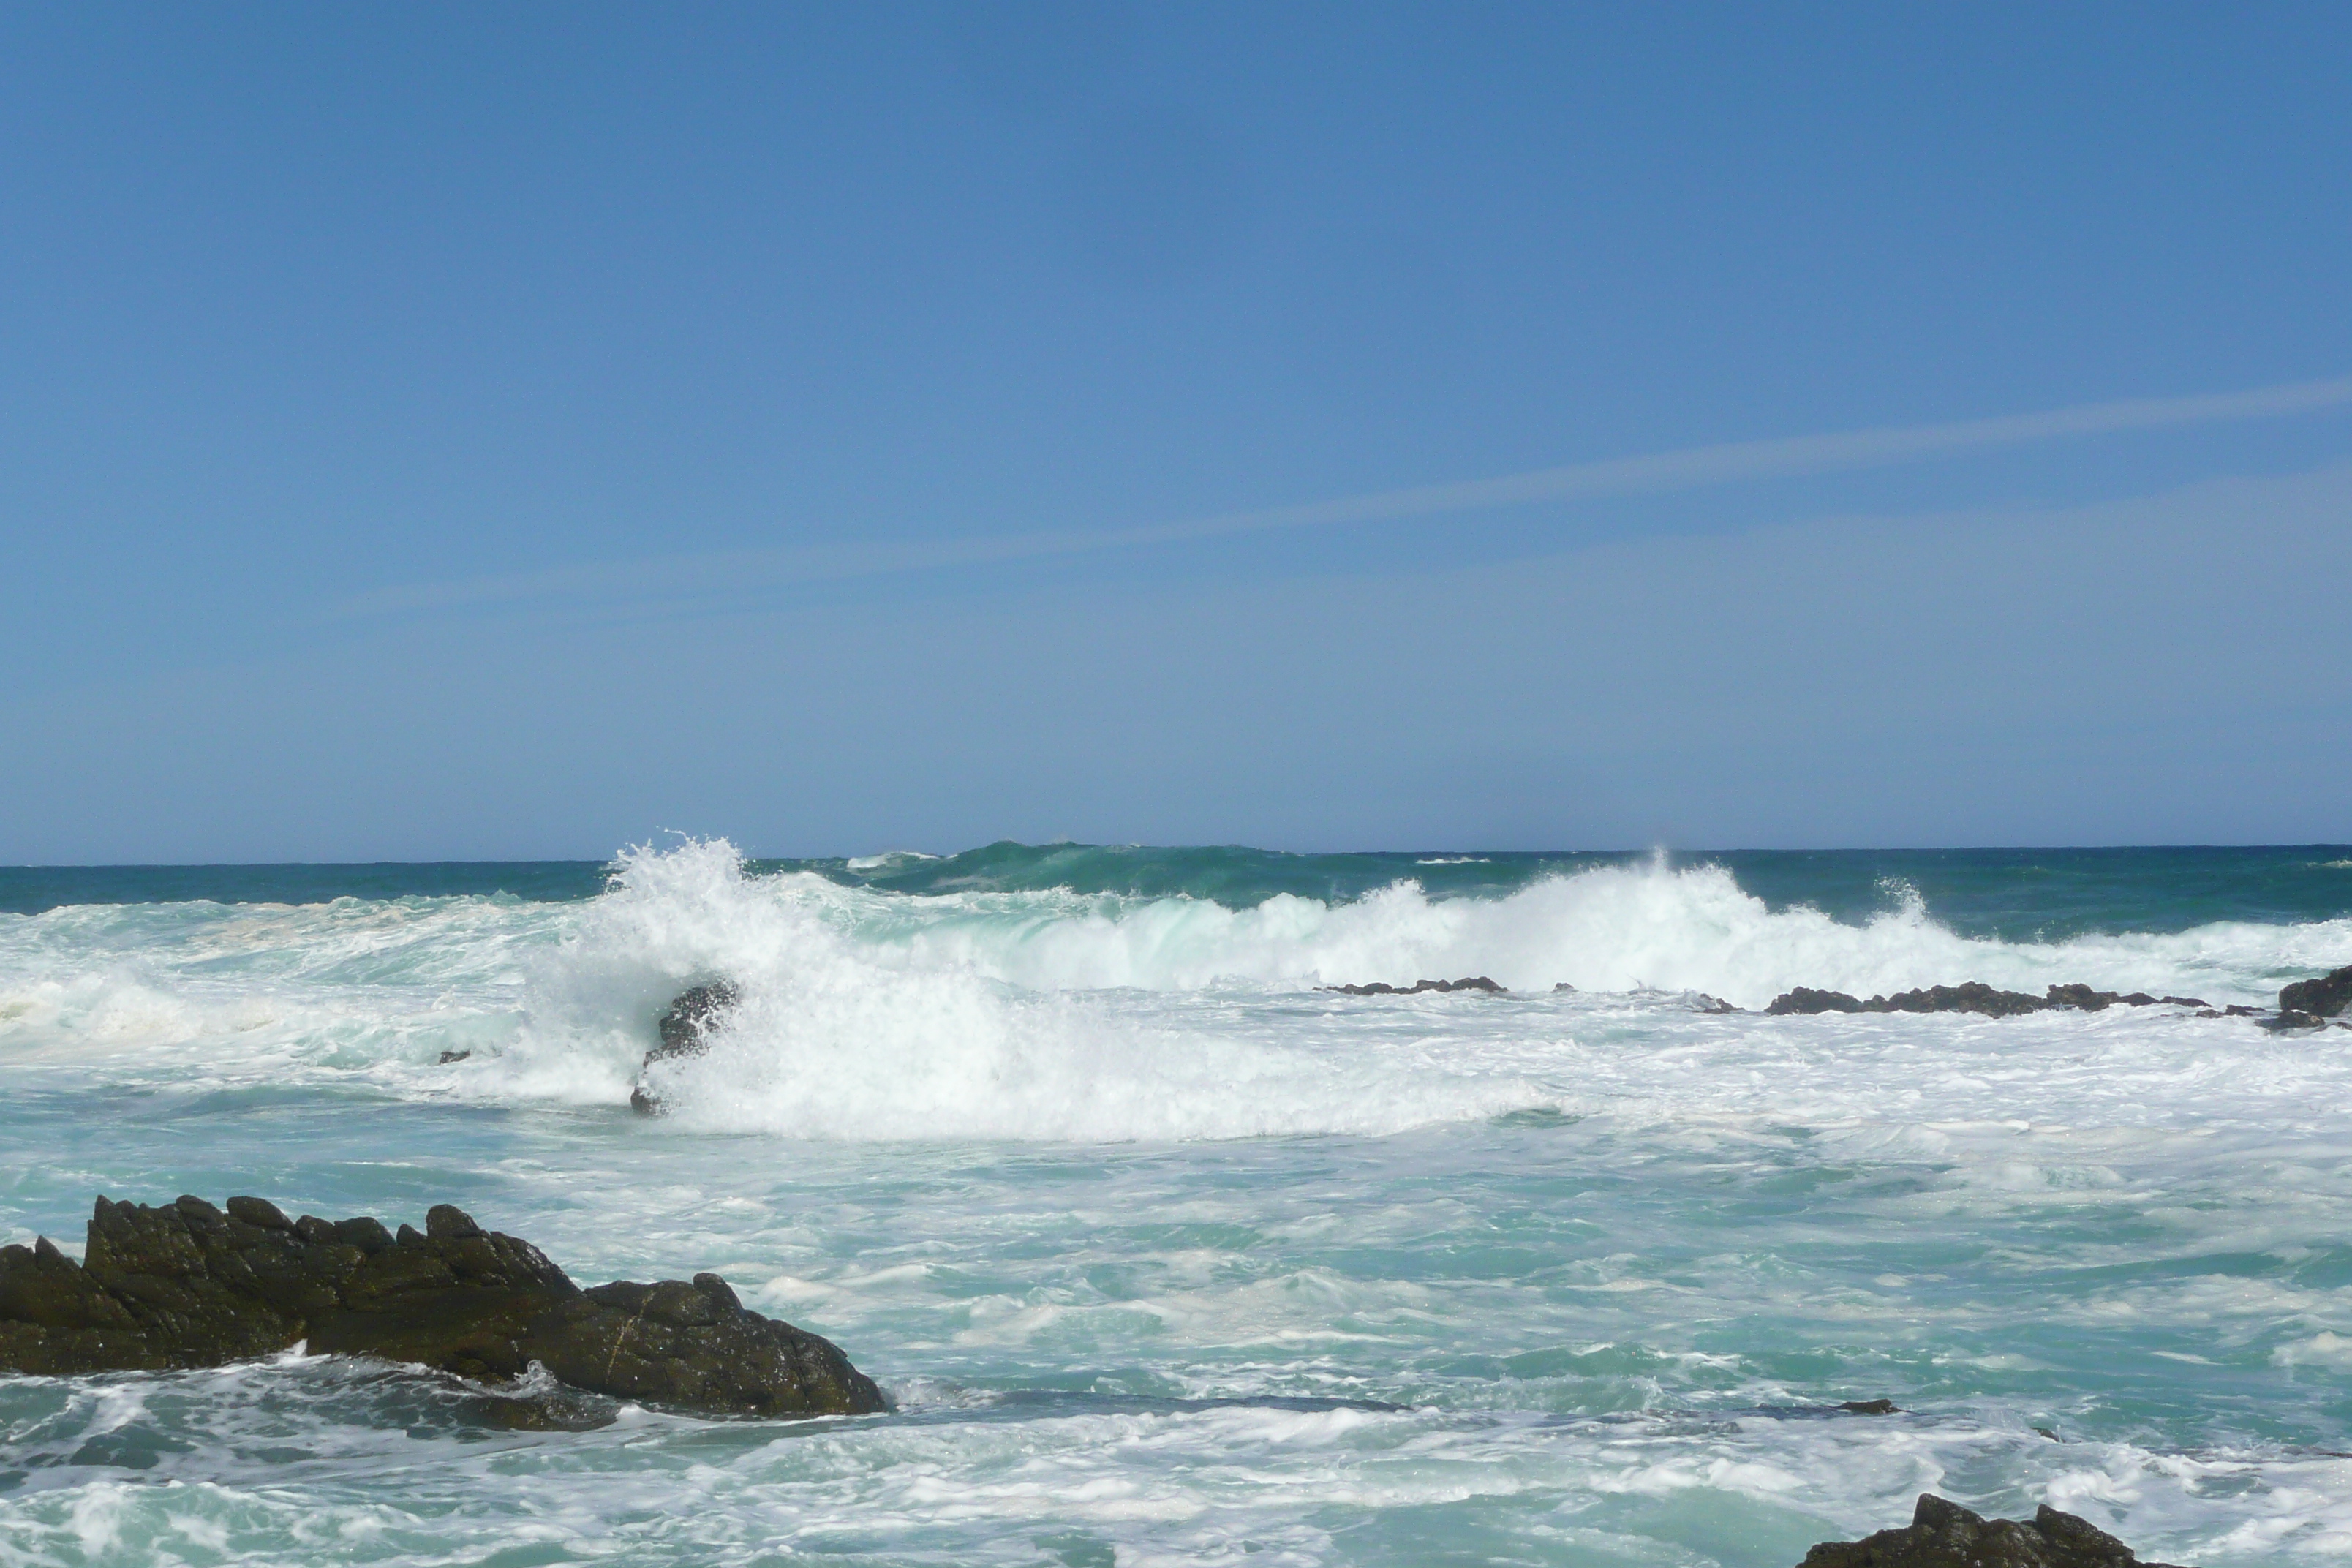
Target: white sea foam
{"points": [[1031, 1016], [1615, 928], [836, 1039], [888, 861], [1602, 1334]]}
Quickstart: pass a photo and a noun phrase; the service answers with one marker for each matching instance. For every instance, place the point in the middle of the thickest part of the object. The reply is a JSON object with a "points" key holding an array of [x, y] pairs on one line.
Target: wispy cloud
{"points": [[1690, 468]]}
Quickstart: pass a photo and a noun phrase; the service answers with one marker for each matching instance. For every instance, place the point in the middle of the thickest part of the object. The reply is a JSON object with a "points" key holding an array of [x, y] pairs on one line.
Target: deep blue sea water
{"points": [[1166, 1256]]}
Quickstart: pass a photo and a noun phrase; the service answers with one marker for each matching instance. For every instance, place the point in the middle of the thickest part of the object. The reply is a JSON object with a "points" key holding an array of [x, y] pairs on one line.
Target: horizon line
{"points": [[1670, 851]]}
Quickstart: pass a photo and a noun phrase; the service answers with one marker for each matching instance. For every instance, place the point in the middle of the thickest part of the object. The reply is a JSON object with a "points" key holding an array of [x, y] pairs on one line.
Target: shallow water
{"points": [[1167, 1257]]}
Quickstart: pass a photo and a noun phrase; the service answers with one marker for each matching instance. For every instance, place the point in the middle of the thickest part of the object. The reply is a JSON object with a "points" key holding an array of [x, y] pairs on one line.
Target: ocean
{"points": [[1165, 1255]]}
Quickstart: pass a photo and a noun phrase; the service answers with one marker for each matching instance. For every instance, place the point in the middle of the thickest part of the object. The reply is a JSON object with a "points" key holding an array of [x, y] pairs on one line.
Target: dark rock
{"points": [[1871, 1407], [199, 1214], [2323, 998], [684, 1031], [449, 1056], [366, 1233], [2184, 1002], [2290, 1022], [1703, 1003], [1974, 996], [1943, 1535], [260, 1212], [1563, 985], [718, 1291], [2239, 1010], [686, 1027], [2081, 996], [188, 1286], [524, 1408], [1805, 999], [1379, 988], [2091, 1000], [1971, 996]]}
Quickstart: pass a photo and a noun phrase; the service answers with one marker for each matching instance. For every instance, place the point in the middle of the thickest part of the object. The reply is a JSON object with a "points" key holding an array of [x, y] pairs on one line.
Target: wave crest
{"points": [[835, 1038]]}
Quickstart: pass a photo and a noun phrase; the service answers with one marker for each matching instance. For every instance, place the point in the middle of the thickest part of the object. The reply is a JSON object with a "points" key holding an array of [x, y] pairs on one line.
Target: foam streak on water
{"points": [[1168, 1256]]}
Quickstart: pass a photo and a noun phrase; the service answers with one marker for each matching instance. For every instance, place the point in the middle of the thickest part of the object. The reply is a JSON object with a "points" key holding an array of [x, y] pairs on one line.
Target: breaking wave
{"points": [[996, 1013], [872, 1014], [1614, 928]]}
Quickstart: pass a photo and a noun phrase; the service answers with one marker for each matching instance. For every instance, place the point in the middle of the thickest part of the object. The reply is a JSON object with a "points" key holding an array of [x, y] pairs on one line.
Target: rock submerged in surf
{"points": [[1972, 996], [684, 1031], [1379, 988], [1804, 999], [1943, 1535], [2322, 998], [188, 1285]]}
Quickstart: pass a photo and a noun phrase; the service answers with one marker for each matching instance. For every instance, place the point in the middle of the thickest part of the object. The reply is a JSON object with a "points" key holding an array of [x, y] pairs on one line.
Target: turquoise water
{"points": [[1167, 1257]]}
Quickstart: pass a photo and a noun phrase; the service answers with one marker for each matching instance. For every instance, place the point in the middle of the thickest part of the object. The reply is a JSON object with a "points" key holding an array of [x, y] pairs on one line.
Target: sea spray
{"points": [[836, 1039], [1166, 1255], [1615, 928]]}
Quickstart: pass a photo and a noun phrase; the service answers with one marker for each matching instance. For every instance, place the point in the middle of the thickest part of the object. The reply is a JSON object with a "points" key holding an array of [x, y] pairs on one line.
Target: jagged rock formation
{"points": [[684, 1031], [1974, 996], [1377, 988], [2322, 998], [188, 1285], [1943, 1535]]}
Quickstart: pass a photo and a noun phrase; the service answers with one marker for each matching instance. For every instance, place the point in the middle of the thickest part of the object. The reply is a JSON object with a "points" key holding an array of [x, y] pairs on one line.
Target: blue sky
{"points": [[481, 433]]}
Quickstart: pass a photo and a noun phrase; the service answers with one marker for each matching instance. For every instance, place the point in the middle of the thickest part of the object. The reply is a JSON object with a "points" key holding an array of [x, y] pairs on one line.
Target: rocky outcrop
{"points": [[1973, 996], [684, 1031], [1377, 988], [2322, 998], [1943, 1535], [1970, 996], [2090, 1001], [1805, 999], [189, 1285]]}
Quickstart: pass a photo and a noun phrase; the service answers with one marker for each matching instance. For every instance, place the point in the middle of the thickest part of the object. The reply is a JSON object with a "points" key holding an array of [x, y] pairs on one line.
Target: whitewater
{"points": [[1167, 1254]]}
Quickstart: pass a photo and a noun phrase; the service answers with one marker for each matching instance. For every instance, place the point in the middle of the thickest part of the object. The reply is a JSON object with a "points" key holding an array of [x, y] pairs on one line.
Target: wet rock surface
{"points": [[1804, 999], [1972, 996], [685, 1030], [2322, 998], [1943, 1535], [189, 1285], [1379, 988]]}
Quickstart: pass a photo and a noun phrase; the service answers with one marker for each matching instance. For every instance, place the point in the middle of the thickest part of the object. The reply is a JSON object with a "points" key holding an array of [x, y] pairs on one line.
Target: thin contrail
{"points": [[1690, 468]]}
